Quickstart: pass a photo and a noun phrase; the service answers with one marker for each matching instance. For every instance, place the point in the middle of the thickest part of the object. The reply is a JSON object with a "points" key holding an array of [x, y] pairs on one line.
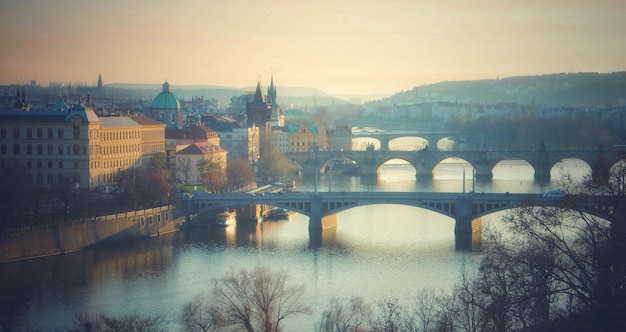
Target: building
{"points": [[259, 114], [340, 139], [188, 159], [166, 107], [239, 141], [302, 138], [177, 139], [74, 145], [280, 139]]}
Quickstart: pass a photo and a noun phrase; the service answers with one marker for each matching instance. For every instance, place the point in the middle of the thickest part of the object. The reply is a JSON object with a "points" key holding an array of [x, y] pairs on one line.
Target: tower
{"points": [[99, 82], [259, 113]]}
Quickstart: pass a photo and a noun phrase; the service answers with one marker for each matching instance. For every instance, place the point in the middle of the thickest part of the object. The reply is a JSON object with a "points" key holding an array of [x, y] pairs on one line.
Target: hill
{"points": [[553, 89]]}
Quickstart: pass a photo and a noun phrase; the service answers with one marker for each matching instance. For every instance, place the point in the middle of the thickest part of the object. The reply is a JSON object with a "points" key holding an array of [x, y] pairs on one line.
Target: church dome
{"points": [[166, 100]]}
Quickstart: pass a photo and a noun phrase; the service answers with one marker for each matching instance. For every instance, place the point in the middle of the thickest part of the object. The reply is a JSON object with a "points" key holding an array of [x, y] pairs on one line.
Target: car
{"points": [[554, 193]]}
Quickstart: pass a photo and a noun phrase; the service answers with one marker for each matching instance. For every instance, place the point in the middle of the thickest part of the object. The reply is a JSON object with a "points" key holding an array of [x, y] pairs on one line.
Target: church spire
{"points": [[99, 81], [258, 95], [271, 92]]}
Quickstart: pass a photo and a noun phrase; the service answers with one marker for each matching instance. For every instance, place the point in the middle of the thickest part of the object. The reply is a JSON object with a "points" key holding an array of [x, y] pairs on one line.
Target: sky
{"points": [[338, 46]]}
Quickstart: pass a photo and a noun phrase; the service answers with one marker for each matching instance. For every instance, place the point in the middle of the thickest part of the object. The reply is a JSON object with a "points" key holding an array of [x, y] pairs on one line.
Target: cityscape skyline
{"points": [[351, 47]]}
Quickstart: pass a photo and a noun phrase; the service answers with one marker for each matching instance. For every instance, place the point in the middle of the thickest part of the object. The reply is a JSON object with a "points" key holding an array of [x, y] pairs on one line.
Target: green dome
{"points": [[166, 100]]}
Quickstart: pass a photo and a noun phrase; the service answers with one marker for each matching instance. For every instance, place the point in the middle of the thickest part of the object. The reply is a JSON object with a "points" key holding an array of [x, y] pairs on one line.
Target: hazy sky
{"points": [[339, 46]]}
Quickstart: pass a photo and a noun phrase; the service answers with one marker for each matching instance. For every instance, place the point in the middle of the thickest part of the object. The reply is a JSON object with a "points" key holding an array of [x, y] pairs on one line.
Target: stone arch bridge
{"points": [[322, 208], [386, 137], [424, 161]]}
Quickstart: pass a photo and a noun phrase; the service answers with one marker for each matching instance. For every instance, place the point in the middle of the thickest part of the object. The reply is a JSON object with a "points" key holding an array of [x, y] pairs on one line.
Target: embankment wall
{"points": [[45, 240]]}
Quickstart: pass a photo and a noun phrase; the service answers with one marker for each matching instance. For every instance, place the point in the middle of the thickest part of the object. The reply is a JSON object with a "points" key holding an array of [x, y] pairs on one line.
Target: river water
{"points": [[376, 252]]}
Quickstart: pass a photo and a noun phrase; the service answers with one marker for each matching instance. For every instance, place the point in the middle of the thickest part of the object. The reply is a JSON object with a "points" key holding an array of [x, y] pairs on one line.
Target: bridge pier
{"points": [[467, 230], [317, 222]]}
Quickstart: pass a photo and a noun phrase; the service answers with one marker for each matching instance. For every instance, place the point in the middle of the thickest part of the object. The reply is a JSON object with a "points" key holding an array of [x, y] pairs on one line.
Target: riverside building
{"points": [[72, 145]]}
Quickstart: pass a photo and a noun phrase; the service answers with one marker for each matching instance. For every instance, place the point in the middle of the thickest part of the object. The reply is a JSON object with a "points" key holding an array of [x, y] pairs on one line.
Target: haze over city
{"points": [[350, 46]]}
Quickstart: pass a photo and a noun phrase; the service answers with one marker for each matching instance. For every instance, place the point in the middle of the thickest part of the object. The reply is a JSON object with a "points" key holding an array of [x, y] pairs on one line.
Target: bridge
{"points": [[384, 138], [322, 208], [483, 162]]}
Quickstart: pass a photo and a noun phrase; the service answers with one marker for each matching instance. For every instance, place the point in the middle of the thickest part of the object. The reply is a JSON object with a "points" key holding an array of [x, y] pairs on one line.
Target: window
{"points": [[76, 165], [39, 133], [60, 149], [16, 149], [29, 149], [3, 132], [39, 165], [50, 179], [60, 164], [60, 132], [29, 132], [39, 179], [76, 149], [76, 130], [50, 133], [16, 132], [49, 164], [3, 149], [50, 149], [39, 149]]}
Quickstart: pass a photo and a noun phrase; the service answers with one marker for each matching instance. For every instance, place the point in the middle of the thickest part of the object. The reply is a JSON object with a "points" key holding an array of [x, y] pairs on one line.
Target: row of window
{"points": [[17, 132], [61, 149], [142, 221]]}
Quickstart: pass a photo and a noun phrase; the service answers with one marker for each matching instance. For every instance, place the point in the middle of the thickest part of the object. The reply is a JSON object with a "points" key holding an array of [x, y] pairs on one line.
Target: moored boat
{"points": [[278, 214], [226, 218]]}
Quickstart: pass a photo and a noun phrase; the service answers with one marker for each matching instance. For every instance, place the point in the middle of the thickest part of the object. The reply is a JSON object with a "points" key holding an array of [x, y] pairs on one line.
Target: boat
{"points": [[278, 214], [226, 218]]}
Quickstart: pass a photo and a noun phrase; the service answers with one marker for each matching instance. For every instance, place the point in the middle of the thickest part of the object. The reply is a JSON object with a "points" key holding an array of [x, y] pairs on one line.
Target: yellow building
{"points": [[74, 146], [302, 138]]}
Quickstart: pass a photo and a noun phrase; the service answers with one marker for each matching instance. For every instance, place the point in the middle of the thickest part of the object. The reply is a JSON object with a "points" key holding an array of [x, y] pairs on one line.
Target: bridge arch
{"points": [[360, 143], [407, 143]]}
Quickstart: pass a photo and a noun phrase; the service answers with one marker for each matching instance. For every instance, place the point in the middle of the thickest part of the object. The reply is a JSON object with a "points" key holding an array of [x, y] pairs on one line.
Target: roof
{"points": [[201, 149], [63, 115], [221, 127], [166, 100], [293, 129], [146, 121], [118, 121]]}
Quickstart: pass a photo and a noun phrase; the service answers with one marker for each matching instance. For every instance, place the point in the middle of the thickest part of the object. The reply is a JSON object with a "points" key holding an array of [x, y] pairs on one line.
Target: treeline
{"points": [[566, 132]]}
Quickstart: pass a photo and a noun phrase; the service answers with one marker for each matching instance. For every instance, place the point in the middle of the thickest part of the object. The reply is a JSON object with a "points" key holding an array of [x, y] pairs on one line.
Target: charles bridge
{"points": [[424, 161]]}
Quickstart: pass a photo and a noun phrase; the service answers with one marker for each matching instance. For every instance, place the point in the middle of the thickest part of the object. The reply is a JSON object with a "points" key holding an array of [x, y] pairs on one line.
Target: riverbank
{"points": [[46, 240]]}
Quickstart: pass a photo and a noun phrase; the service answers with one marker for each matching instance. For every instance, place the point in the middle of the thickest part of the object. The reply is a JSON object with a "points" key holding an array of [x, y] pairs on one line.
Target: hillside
{"points": [[553, 89]]}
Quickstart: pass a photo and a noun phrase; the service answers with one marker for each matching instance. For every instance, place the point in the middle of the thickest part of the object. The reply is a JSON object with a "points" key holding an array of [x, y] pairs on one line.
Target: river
{"points": [[376, 252]]}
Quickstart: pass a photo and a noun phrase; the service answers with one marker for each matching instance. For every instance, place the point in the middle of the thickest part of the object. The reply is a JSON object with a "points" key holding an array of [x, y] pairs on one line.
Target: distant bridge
{"points": [[384, 138], [465, 209], [425, 161]]}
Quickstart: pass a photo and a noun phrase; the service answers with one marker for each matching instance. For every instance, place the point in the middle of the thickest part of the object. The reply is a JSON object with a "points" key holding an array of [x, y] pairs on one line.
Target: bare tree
{"points": [[84, 322], [259, 298], [200, 315], [344, 317]]}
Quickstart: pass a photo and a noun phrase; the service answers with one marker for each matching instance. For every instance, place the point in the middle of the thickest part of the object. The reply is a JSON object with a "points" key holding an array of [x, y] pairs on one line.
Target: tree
{"points": [[273, 163], [239, 172], [14, 195], [212, 173], [141, 188], [561, 266], [104, 323], [259, 298], [200, 315], [343, 317]]}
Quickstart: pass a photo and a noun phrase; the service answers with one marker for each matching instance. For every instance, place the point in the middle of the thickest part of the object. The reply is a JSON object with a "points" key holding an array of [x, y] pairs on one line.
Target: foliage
{"points": [[239, 173], [127, 323], [212, 173], [14, 194], [272, 163], [140, 188]]}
